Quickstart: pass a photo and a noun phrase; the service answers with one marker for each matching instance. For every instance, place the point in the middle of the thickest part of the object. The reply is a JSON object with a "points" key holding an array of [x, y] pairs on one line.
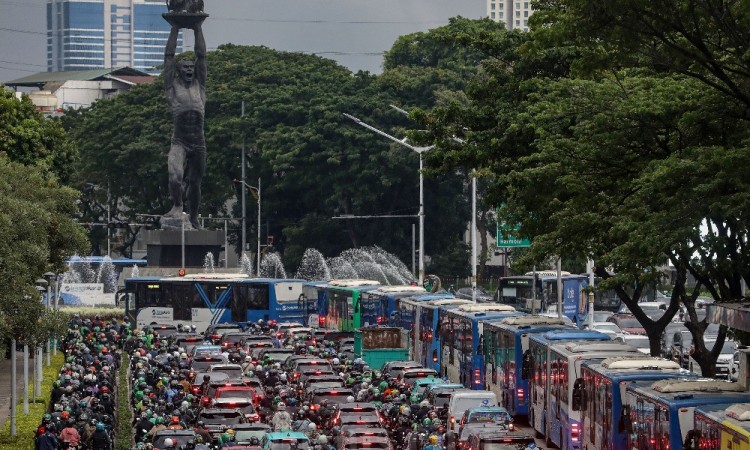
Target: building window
{"points": [[492, 15], [518, 23], [500, 15], [492, 6], [526, 5], [526, 14], [518, 13]]}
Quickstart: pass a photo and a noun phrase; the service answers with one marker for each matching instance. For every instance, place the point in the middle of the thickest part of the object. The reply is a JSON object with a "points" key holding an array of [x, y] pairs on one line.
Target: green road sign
{"points": [[507, 237]]}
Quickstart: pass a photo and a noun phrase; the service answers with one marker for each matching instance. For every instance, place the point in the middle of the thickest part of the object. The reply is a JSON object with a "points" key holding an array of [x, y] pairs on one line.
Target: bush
{"points": [[124, 433], [26, 424]]}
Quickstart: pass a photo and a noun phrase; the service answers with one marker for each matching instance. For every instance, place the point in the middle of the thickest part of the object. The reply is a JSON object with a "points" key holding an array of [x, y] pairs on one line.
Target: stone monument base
{"points": [[164, 247]]}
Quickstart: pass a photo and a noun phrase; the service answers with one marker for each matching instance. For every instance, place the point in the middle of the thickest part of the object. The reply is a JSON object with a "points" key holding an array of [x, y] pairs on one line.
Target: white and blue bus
{"points": [[518, 291], [427, 337], [660, 415], [378, 305], [537, 365], [462, 359], [506, 344], [205, 299], [598, 395]]}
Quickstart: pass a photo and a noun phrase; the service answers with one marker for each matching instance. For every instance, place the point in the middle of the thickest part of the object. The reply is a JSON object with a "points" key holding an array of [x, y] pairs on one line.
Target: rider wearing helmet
{"points": [[433, 445], [101, 440], [281, 421]]}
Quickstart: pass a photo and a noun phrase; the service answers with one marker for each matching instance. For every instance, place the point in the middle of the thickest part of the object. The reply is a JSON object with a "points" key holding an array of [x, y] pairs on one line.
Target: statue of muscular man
{"points": [[185, 86]]}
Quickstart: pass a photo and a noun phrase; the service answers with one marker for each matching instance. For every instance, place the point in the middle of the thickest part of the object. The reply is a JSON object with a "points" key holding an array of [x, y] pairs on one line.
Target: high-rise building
{"points": [[513, 13], [96, 34]]}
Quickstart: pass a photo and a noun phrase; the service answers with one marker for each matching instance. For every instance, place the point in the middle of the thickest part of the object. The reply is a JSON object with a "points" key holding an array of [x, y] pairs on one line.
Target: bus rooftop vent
{"points": [[475, 308], [613, 346], [739, 411], [639, 363], [209, 276], [400, 288], [532, 320], [450, 301], [698, 385], [547, 273], [352, 283]]}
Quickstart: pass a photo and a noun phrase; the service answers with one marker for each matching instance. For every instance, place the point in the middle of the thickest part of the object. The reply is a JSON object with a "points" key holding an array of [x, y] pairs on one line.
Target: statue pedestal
{"points": [[164, 247], [184, 19], [176, 223]]}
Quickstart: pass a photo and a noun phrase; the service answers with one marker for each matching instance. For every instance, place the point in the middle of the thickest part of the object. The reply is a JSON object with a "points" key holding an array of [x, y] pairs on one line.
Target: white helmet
{"points": [[168, 442], [424, 403], [336, 361], [350, 399], [283, 376], [312, 426], [365, 385], [185, 404], [281, 406], [322, 439]]}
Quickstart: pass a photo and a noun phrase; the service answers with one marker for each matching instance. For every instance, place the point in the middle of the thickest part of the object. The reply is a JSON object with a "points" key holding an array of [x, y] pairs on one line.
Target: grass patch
{"points": [[26, 424], [124, 433]]}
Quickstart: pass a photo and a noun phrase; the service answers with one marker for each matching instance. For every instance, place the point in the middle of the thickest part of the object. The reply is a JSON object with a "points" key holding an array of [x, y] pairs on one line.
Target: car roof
{"points": [[219, 411], [358, 405], [487, 409], [173, 432], [331, 389], [276, 435], [251, 426]]}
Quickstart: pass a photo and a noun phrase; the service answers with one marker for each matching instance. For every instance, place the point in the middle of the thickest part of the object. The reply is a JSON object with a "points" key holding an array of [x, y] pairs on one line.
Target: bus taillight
{"points": [[574, 432], [477, 377], [520, 394], [321, 322]]}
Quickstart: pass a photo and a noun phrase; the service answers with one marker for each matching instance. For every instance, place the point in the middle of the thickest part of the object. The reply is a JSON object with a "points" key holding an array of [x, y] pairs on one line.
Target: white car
{"points": [[638, 341], [609, 328]]}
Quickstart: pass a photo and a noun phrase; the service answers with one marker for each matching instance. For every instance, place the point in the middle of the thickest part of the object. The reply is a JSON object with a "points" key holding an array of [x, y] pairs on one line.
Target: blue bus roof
{"points": [[277, 435], [531, 329], [218, 280], [483, 315], [706, 391], [100, 259], [573, 335]]}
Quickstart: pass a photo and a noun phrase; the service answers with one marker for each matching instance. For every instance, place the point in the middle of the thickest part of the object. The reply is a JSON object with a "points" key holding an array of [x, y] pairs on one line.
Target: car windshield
{"points": [[201, 364], [288, 444], [235, 392], [224, 330], [607, 327], [232, 372], [326, 384], [279, 355], [359, 445], [246, 435], [234, 403]]}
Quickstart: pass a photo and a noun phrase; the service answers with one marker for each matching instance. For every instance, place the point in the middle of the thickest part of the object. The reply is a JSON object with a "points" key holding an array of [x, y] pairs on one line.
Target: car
{"points": [[609, 328], [355, 409], [214, 332], [245, 431], [232, 370], [393, 369], [216, 377], [322, 381], [361, 420], [204, 349], [233, 389], [164, 330], [300, 332], [307, 372], [334, 396], [202, 363], [482, 295], [420, 385], [236, 338], [627, 323], [481, 439], [276, 355], [218, 420], [723, 362], [181, 437], [315, 363], [410, 376], [285, 440], [601, 316], [682, 344], [244, 404], [283, 328], [441, 397], [461, 401], [353, 431], [186, 341], [496, 417]]}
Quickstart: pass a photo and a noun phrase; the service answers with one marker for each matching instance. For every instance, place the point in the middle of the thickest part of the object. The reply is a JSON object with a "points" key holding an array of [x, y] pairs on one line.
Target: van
{"points": [[461, 401]]}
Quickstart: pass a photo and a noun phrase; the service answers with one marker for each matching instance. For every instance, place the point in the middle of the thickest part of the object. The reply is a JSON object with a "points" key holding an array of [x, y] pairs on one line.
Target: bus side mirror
{"points": [[526, 365], [578, 395]]}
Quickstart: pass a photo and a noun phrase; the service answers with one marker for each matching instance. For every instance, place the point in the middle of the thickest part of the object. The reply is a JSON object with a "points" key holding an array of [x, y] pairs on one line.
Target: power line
{"points": [[23, 64]]}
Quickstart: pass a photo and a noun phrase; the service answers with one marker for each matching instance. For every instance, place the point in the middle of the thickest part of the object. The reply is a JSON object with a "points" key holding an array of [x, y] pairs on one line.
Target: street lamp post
{"points": [[257, 190], [420, 151], [52, 277]]}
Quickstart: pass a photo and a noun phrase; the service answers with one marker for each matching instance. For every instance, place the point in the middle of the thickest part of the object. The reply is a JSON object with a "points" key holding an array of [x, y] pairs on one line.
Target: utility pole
{"points": [[244, 183]]}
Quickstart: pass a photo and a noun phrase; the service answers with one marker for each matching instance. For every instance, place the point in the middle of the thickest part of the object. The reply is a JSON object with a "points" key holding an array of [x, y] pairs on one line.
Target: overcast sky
{"points": [[353, 32]]}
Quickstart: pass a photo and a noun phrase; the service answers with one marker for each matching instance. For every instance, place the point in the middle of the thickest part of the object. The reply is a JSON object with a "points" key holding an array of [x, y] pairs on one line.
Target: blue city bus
{"points": [[210, 298], [378, 305], [517, 292], [506, 343], [536, 365], [426, 350], [405, 315], [598, 395], [462, 359], [659, 415]]}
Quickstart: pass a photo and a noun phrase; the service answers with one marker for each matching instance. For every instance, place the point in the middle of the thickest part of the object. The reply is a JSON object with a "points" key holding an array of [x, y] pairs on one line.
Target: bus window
{"points": [[257, 297], [182, 299], [239, 303]]}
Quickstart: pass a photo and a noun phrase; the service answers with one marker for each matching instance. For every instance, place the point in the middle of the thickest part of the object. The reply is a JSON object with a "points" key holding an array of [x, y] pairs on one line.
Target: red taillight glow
{"points": [[519, 393], [477, 377], [574, 432]]}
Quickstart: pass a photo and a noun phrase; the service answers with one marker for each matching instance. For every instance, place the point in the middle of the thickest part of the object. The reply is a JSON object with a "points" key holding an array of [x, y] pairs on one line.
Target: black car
{"points": [[218, 420]]}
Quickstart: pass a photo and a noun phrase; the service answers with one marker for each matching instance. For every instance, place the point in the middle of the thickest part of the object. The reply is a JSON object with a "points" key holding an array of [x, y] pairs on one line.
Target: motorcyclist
{"points": [[101, 440], [200, 430], [69, 435], [142, 427], [281, 421], [433, 443]]}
